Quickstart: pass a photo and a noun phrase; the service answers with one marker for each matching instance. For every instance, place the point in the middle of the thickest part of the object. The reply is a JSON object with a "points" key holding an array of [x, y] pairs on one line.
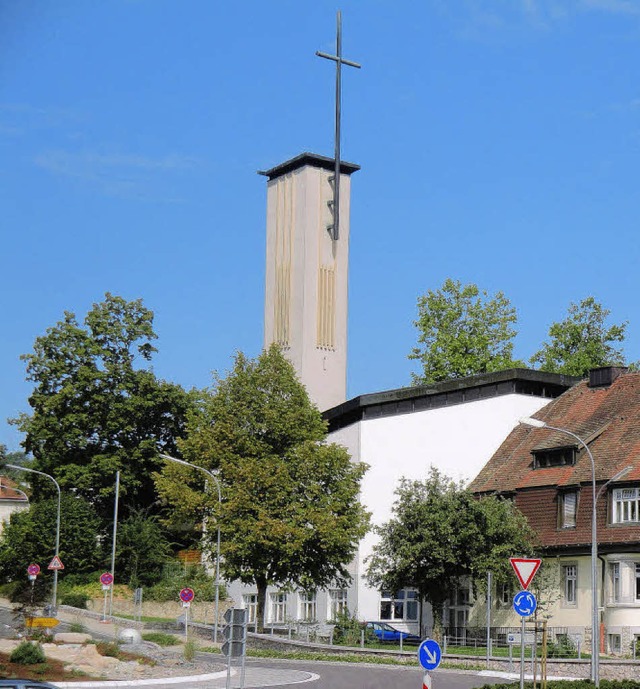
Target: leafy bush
{"points": [[573, 684], [76, 599], [161, 638], [28, 653], [348, 630], [177, 576], [190, 649], [108, 648], [562, 648]]}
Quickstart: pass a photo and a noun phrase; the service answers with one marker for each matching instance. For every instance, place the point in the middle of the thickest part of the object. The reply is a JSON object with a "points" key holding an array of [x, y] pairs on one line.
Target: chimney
{"points": [[605, 375]]}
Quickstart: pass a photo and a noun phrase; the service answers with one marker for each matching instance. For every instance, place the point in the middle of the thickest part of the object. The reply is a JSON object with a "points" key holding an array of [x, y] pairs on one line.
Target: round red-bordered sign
{"points": [[33, 569], [186, 595], [106, 579]]}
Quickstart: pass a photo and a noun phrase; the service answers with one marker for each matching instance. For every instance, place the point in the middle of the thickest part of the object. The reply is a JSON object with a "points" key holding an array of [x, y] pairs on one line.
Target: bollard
{"points": [[362, 638]]}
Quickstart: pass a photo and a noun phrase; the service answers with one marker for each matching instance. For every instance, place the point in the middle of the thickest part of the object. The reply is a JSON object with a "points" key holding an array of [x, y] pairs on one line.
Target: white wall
{"points": [[458, 440]]}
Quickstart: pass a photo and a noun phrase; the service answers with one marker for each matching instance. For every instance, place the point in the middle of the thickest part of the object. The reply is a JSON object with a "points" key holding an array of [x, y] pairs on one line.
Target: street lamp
{"points": [[55, 571], [217, 584], [595, 635]]}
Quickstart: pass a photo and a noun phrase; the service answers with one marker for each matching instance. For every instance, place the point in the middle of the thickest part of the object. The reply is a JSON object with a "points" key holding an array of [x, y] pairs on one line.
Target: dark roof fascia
{"points": [[353, 410], [577, 549], [312, 159]]}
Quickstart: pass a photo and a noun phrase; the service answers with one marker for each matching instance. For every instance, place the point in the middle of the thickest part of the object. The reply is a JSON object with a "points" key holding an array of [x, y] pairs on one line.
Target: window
{"points": [[278, 607], [614, 643], [308, 607], [614, 573], [625, 505], [568, 506], [570, 576], [504, 594], [404, 606], [337, 603], [250, 603], [554, 457]]}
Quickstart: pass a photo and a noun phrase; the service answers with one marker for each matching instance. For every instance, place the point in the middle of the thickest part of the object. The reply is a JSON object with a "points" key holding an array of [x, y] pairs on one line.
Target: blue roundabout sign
{"points": [[525, 603]]}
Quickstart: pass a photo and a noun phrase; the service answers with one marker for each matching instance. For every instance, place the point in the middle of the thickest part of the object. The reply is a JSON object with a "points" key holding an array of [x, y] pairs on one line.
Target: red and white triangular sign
{"points": [[56, 563], [525, 569]]}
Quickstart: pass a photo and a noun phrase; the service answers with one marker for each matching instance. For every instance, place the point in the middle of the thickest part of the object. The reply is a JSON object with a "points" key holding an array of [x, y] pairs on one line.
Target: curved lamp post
{"points": [[217, 583], [595, 634], [55, 571]]}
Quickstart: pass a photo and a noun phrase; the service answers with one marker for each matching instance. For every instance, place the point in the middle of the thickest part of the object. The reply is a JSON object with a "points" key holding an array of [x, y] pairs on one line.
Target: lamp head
{"points": [[529, 421]]}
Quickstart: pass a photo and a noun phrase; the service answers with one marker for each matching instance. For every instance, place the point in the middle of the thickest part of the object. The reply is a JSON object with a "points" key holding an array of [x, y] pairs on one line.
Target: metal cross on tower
{"points": [[339, 60]]}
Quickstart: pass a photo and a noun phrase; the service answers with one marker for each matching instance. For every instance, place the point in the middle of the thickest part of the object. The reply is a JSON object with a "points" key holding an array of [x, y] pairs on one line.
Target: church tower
{"points": [[307, 272]]}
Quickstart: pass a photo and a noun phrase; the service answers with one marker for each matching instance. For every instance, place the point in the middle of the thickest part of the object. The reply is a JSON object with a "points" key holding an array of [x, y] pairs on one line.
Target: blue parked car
{"points": [[385, 632]]}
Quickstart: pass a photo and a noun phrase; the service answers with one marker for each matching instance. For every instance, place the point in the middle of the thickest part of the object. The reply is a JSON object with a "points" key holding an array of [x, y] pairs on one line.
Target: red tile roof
{"points": [[8, 491], [608, 420]]}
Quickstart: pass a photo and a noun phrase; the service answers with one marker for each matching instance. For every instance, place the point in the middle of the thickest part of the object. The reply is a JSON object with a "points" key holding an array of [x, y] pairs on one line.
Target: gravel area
{"points": [[166, 663]]}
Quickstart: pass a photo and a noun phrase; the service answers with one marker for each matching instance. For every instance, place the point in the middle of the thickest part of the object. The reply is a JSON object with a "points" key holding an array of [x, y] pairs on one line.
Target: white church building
{"points": [[455, 426]]}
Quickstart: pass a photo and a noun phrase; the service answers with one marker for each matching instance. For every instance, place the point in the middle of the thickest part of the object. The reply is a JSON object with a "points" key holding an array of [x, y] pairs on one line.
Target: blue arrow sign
{"points": [[525, 603], [429, 654]]}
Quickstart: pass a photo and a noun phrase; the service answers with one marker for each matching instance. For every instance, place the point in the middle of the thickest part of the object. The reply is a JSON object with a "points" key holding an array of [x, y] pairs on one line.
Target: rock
{"points": [[130, 636], [71, 638]]}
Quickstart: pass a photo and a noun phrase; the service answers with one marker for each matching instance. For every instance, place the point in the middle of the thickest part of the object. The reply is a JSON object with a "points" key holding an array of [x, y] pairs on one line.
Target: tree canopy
{"points": [[462, 331], [95, 411], [30, 537], [290, 514], [581, 341], [439, 533]]}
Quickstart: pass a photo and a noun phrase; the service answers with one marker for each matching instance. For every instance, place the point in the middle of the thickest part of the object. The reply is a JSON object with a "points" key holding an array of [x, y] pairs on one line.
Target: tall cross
{"points": [[339, 60]]}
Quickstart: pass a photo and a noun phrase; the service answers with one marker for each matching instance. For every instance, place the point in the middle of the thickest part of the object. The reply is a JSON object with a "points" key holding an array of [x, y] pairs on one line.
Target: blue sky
{"points": [[499, 142]]}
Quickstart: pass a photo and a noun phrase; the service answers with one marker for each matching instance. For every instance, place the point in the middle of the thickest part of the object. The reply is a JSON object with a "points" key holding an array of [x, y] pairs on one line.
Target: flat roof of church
{"points": [[411, 399], [312, 159]]}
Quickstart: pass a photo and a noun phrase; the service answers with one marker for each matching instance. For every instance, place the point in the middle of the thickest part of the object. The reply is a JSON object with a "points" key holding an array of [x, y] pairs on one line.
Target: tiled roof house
{"points": [[11, 500], [549, 476]]}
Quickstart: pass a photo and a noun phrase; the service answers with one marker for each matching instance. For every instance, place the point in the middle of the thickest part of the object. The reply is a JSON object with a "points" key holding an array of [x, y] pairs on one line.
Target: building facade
{"points": [[455, 426], [549, 476]]}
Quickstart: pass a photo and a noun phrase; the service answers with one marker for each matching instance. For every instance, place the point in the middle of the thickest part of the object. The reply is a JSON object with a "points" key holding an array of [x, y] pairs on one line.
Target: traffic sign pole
{"points": [[426, 681]]}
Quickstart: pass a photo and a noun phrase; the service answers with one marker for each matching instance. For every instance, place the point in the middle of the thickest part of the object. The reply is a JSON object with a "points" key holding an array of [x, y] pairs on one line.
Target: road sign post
{"points": [[106, 579], [235, 639], [525, 569], [186, 596], [525, 604]]}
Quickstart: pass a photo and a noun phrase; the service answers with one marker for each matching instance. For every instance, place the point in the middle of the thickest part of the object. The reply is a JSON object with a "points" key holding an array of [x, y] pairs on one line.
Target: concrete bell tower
{"points": [[307, 272]]}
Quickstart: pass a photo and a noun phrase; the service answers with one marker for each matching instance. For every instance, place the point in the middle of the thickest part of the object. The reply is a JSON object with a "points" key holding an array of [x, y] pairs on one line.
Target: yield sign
{"points": [[525, 569], [56, 563]]}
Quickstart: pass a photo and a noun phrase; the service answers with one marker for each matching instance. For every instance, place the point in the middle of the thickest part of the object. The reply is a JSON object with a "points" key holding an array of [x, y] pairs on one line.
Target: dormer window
{"points": [[554, 457]]}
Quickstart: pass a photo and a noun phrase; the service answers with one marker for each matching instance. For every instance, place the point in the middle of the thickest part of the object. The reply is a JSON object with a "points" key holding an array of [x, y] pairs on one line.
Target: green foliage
{"points": [[189, 651], [438, 533], [581, 341], [75, 600], [176, 577], [563, 647], [290, 513], [348, 630], [94, 412], [161, 638], [463, 331], [28, 653], [110, 649], [142, 549], [30, 537], [77, 628], [572, 684]]}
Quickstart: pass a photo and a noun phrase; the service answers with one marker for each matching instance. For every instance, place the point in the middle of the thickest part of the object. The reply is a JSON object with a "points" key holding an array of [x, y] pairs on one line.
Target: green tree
{"points": [[30, 537], [95, 412], [290, 514], [581, 341], [439, 533], [463, 331], [142, 549]]}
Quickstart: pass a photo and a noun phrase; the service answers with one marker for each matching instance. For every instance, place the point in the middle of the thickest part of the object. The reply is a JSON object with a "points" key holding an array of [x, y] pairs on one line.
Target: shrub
{"points": [[348, 630], [161, 638], [108, 648], [190, 651], [28, 653], [76, 599], [176, 577]]}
